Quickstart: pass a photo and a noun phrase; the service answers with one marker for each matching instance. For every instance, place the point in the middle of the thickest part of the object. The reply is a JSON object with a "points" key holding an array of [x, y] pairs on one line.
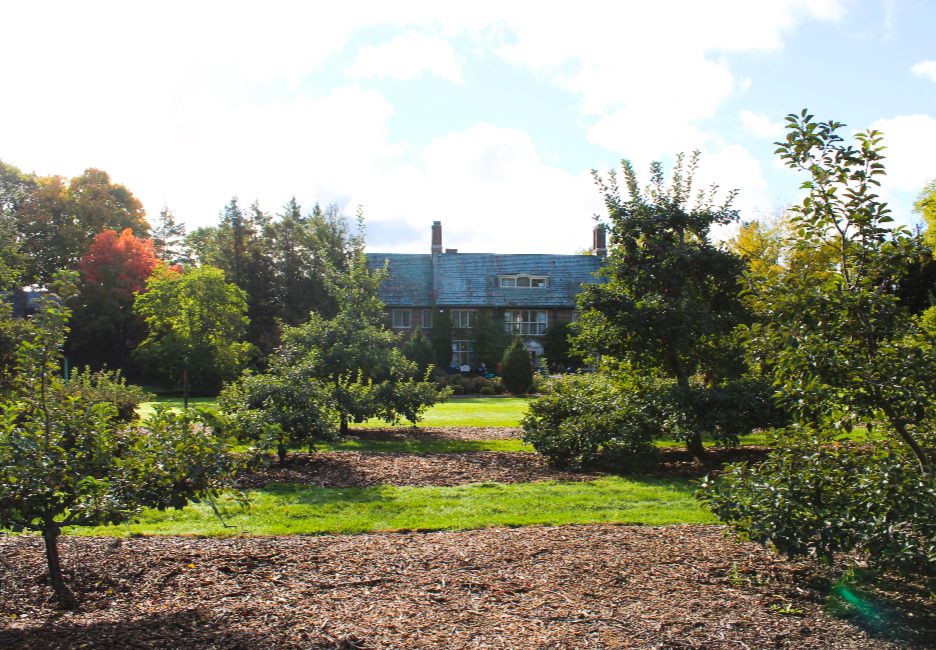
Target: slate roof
{"points": [[409, 283], [470, 279]]}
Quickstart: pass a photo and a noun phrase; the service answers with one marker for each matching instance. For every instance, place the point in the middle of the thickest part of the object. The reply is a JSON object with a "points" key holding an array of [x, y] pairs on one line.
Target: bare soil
{"points": [[535, 587]]}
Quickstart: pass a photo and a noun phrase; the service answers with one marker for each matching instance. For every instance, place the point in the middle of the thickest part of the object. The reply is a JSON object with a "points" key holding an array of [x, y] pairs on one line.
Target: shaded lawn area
{"points": [[440, 446], [282, 509]]}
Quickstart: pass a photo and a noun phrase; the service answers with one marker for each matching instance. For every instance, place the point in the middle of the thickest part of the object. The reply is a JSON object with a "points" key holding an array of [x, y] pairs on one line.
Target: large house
{"points": [[528, 293]]}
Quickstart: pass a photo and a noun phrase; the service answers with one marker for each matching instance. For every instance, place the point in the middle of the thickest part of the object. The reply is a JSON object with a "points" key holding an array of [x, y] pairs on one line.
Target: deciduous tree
{"points": [[671, 296], [196, 322]]}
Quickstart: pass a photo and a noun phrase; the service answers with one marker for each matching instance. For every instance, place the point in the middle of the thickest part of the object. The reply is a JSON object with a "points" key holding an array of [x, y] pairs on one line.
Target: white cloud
{"points": [[761, 126], [493, 193], [910, 142], [408, 57], [925, 69]]}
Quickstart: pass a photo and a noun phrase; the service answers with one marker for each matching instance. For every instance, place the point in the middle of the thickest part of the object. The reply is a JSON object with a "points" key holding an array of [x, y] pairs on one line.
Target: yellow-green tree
{"points": [[195, 327]]}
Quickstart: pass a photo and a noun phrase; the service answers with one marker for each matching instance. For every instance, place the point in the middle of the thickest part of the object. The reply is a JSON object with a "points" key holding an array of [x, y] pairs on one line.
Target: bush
{"points": [[816, 497], [106, 387], [517, 368], [486, 390], [591, 421]]}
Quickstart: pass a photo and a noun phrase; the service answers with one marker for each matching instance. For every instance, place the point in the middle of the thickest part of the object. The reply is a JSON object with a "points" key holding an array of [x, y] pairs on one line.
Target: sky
{"points": [[486, 116]]}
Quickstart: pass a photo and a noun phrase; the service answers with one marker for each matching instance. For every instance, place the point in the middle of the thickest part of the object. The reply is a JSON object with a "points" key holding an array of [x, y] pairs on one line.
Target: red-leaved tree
{"points": [[114, 269]]}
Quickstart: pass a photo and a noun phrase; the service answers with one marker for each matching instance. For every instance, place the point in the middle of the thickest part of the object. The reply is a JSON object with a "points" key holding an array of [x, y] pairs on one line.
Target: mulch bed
{"points": [[343, 469], [535, 587]]}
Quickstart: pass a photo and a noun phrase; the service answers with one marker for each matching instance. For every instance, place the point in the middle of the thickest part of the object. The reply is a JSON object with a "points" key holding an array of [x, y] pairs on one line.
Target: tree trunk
{"points": [[281, 453], [65, 597], [694, 441], [344, 425], [185, 387]]}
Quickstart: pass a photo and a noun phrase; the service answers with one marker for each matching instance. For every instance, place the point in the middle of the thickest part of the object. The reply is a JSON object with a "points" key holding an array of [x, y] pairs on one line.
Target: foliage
{"points": [[839, 343], [671, 296], [442, 338], [490, 339], [462, 385], [558, 349], [67, 462], [169, 240], [115, 268], [592, 421], [105, 387], [284, 407], [195, 323], [57, 221], [844, 349], [418, 349], [517, 368], [820, 498], [925, 206], [332, 371]]}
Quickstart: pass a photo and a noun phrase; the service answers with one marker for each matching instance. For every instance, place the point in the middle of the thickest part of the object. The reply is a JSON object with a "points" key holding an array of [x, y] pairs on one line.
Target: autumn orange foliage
{"points": [[121, 263]]}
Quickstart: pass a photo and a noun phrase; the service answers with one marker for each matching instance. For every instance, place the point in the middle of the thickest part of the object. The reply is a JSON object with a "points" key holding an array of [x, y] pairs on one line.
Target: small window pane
{"points": [[427, 319], [401, 318], [508, 282], [523, 282], [538, 283]]}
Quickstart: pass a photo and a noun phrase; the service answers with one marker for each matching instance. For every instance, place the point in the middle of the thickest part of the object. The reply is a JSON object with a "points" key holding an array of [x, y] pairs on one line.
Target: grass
{"points": [[426, 446], [470, 412], [175, 403], [457, 412], [300, 509]]}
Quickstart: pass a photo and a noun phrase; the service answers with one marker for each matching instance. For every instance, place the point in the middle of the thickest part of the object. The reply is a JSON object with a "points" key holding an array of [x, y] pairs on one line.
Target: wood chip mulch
{"points": [[536, 587], [439, 433], [343, 469]]}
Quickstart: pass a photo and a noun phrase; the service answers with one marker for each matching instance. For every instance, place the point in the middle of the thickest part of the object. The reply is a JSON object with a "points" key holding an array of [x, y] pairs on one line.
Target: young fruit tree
{"points": [[845, 350], [66, 461], [671, 299]]}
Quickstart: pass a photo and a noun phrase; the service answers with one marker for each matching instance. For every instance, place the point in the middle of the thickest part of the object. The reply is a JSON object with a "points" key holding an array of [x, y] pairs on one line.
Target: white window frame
{"points": [[401, 319], [464, 318], [522, 281], [426, 319], [462, 352], [526, 322]]}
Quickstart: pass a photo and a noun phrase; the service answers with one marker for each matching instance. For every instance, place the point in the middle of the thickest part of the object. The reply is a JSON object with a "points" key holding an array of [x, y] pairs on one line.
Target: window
{"points": [[426, 319], [525, 323], [462, 353], [463, 318], [401, 318], [522, 281]]}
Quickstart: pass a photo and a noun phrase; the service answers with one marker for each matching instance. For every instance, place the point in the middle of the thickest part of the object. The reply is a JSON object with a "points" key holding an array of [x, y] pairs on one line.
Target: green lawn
{"points": [[470, 412], [175, 403], [299, 509], [426, 446], [456, 412]]}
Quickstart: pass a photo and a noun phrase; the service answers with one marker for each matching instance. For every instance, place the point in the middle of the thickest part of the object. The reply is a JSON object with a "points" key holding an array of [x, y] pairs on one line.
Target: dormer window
{"points": [[522, 281]]}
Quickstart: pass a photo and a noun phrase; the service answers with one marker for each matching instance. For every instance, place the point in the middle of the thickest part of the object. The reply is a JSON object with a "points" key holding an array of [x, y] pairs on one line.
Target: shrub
{"points": [[590, 421], [106, 387], [486, 390], [819, 498], [457, 390], [517, 368]]}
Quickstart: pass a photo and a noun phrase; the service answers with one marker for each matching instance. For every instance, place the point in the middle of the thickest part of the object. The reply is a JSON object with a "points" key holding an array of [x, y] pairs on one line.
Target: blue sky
{"points": [[488, 117]]}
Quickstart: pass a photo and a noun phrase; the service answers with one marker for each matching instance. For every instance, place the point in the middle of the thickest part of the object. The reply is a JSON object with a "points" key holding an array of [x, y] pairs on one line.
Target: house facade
{"points": [[526, 294]]}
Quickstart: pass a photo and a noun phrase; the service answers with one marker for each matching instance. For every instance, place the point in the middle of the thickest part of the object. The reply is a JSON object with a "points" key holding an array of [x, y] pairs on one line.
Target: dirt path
{"points": [[561, 587]]}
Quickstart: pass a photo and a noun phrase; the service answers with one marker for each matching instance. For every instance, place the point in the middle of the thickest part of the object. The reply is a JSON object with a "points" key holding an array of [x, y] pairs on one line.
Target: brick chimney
{"points": [[436, 236], [599, 245]]}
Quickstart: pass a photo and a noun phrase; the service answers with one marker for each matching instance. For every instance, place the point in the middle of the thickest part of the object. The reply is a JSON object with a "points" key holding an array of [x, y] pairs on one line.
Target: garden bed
{"points": [[535, 587]]}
